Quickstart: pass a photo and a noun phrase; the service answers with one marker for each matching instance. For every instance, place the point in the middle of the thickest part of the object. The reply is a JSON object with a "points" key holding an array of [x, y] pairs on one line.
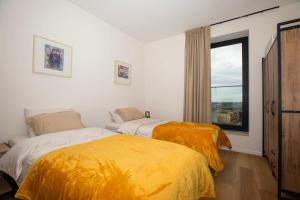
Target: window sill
{"points": [[238, 133]]}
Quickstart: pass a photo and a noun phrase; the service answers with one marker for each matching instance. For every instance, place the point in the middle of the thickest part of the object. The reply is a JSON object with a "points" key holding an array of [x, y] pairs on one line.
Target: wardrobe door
{"points": [[291, 152], [271, 152], [274, 108], [290, 64], [266, 107], [290, 76]]}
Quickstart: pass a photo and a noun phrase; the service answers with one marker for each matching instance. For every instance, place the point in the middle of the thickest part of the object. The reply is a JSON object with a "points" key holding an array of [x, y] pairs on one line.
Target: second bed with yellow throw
{"points": [[119, 167], [204, 138]]}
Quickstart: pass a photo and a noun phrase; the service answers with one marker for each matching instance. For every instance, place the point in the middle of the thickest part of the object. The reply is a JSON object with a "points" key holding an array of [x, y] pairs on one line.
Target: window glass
{"points": [[227, 88]]}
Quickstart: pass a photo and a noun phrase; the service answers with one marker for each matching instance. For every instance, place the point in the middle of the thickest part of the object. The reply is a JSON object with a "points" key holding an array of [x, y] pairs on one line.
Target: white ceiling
{"points": [[149, 20]]}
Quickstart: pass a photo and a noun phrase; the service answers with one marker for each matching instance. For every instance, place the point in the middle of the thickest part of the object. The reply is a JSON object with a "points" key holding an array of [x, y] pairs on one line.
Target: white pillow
{"points": [[115, 117], [30, 112], [30, 132], [12, 142]]}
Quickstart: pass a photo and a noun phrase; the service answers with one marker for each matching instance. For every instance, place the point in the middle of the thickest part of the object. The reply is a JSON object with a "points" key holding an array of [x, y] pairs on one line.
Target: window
{"points": [[229, 84]]}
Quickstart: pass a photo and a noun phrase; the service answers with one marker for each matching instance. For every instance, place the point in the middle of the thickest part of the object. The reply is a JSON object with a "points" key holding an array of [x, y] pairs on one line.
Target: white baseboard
{"points": [[247, 151]]}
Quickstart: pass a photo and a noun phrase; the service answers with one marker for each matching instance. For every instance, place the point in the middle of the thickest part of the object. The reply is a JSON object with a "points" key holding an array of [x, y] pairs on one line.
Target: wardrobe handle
{"points": [[272, 151], [272, 108], [273, 164], [267, 106]]}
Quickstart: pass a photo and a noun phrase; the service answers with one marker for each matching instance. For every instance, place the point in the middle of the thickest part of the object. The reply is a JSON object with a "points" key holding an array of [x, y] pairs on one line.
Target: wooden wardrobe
{"points": [[281, 108]]}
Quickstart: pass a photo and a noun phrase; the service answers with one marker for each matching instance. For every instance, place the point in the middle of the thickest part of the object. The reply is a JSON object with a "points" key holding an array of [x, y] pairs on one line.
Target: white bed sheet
{"points": [[19, 158], [113, 126], [141, 127]]}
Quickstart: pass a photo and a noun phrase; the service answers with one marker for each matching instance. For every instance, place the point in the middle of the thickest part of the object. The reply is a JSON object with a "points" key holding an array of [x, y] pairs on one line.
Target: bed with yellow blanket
{"points": [[119, 167], [204, 138]]}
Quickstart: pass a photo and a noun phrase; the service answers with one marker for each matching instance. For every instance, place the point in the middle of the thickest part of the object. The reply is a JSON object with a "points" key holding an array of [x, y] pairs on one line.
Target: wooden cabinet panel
{"points": [[269, 100], [265, 108], [291, 152], [274, 107], [271, 107], [290, 64]]}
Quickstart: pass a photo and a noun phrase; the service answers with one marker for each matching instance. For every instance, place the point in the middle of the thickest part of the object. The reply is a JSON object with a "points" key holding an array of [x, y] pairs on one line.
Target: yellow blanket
{"points": [[204, 138], [119, 167]]}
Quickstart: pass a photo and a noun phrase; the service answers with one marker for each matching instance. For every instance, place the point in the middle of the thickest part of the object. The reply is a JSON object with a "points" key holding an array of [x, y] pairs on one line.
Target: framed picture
{"points": [[122, 73], [51, 57]]}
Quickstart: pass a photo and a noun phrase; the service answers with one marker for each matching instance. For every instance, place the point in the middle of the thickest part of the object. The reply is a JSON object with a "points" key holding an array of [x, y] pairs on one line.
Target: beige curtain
{"points": [[197, 101]]}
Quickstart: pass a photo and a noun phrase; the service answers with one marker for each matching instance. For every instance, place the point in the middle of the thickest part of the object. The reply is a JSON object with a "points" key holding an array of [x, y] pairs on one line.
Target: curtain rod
{"points": [[276, 7]]}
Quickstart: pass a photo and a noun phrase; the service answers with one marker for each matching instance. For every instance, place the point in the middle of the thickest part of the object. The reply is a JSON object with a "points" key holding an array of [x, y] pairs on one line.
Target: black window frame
{"points": [[245, 81]]}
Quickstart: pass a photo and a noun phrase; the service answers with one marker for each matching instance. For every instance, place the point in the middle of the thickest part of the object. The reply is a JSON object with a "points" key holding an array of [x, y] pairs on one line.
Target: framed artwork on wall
{"points": [[122, 73], [51, 57]]}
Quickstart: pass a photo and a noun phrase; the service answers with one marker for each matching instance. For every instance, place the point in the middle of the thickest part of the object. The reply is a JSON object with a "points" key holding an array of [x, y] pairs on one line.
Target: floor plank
{"points": [[247, 185], [263, 174], [245, 177]]}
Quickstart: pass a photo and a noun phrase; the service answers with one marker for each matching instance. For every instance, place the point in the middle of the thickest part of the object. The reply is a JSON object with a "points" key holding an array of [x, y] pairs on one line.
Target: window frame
{"points": [[245, 81]]}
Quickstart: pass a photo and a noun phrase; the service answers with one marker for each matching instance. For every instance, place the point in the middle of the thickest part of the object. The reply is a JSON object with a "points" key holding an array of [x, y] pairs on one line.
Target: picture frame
{"points": [[51, 57], [122, 73]]}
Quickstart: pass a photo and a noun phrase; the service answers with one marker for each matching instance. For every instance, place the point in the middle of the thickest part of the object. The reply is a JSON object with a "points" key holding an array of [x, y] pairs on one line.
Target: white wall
{"points": [[95, 47], [164, 72]]}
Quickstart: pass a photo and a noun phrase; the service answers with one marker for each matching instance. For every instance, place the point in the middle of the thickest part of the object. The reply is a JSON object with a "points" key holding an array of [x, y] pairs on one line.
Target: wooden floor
{"points": [[245, 177]]}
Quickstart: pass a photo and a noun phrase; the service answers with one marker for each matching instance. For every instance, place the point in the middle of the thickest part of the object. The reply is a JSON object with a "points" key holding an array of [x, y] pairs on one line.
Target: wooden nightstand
{"points": [[3, 149]]}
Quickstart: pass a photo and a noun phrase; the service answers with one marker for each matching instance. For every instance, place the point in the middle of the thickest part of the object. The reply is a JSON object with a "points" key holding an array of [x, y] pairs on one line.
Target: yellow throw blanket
{"points": [[119, 167], [204, 138]]}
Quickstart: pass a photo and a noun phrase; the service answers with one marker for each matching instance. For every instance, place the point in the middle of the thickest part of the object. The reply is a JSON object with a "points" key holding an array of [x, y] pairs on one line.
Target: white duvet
{"points": [[141, 127], [20, 157]]}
